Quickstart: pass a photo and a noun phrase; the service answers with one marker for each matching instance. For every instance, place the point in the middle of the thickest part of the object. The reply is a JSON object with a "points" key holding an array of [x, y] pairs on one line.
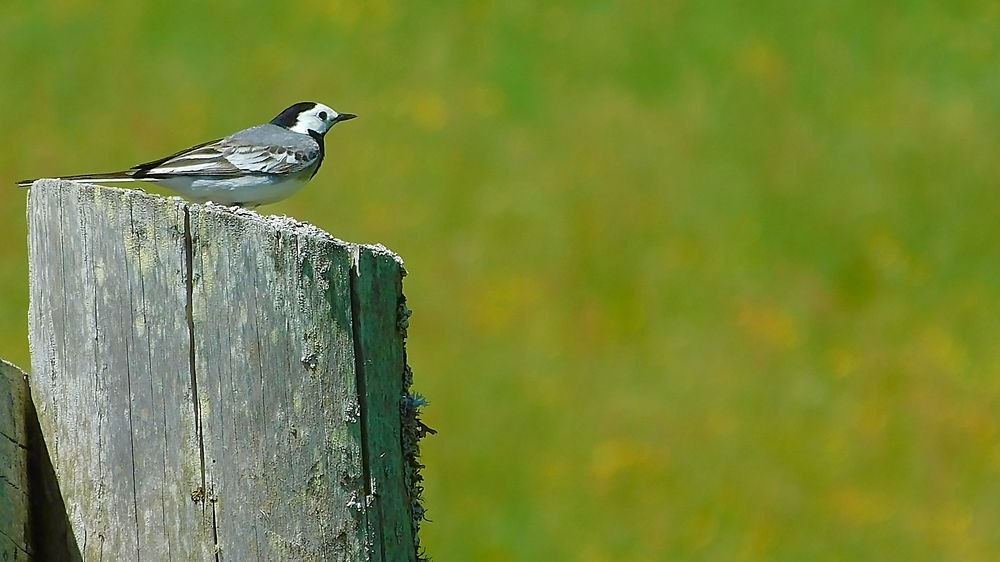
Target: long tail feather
{"points": [[113, 177]]}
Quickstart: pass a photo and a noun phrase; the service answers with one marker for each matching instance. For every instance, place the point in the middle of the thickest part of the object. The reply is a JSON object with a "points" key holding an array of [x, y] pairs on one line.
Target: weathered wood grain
{"points": [[214, 384], [109, 338], [14, 526]]}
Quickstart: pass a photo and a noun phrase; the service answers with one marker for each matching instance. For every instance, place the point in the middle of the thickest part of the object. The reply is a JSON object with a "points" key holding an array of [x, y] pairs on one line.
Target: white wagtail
{"points": [[255, 166]]}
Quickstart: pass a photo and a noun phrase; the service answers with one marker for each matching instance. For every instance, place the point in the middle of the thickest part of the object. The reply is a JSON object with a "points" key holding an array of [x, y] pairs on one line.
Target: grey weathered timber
{"points": [[216, 385], [14, 526]]}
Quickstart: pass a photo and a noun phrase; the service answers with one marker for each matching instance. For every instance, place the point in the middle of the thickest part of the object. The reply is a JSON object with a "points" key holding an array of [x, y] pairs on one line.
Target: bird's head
{"points": [[310, 117]]}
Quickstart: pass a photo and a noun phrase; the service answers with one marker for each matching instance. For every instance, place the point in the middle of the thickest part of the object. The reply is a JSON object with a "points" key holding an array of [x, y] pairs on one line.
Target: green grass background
{"points": [[707, 281]]}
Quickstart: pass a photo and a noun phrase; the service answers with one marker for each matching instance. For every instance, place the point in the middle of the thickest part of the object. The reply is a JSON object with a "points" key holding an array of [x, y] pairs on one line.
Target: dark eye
{"points": [[322, 115]]}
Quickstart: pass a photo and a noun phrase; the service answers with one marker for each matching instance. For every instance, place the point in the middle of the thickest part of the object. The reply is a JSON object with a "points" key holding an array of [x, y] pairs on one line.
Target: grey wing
{"points": [[228, 157], [270, 159]]}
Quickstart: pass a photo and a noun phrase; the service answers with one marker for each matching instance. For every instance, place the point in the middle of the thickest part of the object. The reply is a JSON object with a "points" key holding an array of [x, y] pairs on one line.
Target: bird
{"points": [[256, 166]]}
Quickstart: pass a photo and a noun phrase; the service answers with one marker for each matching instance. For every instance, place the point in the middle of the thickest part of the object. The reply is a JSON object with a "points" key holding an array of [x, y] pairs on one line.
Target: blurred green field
{"points": [[691, 280]]}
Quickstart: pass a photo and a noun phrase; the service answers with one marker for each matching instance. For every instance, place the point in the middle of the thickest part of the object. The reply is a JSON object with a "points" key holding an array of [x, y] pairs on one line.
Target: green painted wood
{"points": [[215, 384], [14, 525], [379, 354]]}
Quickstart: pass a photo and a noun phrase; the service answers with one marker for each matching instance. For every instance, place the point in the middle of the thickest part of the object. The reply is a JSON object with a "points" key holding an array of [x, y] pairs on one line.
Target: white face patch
{"points": [[318, 119]]}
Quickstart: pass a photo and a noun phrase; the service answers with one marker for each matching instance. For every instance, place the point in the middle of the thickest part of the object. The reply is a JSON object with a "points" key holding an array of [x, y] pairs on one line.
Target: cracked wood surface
{"points": [[213, 384]]}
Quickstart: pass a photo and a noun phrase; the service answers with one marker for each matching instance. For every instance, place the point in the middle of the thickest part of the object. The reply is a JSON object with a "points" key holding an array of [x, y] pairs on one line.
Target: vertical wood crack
{"points": [[90, 264], [206, 496], [362, 388], [128, 383], [189, 309]]}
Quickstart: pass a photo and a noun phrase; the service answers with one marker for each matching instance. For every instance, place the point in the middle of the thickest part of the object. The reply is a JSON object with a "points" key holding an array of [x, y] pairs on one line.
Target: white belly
{"points": [[248, 191]]}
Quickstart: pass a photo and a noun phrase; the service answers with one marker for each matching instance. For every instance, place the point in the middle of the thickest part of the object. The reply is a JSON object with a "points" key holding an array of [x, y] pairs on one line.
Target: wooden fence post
{"points": [[213, 384], [14, 522]]}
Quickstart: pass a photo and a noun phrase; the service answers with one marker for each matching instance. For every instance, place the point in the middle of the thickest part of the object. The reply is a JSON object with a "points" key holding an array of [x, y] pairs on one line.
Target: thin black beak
{"points": [[344, 117]]}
